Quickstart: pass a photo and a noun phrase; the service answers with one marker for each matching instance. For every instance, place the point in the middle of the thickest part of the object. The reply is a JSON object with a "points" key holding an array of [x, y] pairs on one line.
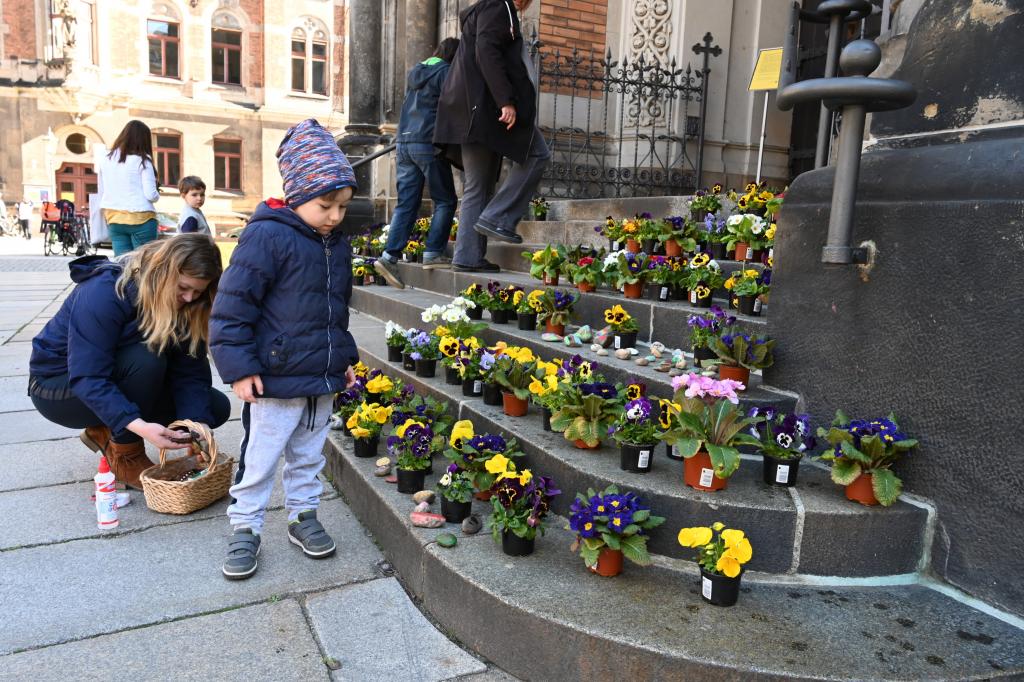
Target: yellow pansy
{"points": [[695, 537], [525, 476], [382, 414], [359, 432], [700, 260], [741, 552], [441, 330], [771, 262], [728, 566], [518, 296], [702, 291], [448, 346], [538, 256], [360, 369], [770, 232], [730, 283], [731, 537], [717, 526], [461, 432], [550, 368], [352, 420], [752, 274], [498, 464], [520, 354], [379, 384], [629, 226], [633, 391], [585, 370], [400, 431]]}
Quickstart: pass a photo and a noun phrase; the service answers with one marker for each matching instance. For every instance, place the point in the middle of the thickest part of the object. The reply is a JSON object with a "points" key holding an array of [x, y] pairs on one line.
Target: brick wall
{"points": [[568, 24], [338, 58], [20, 17], [254, 57]]}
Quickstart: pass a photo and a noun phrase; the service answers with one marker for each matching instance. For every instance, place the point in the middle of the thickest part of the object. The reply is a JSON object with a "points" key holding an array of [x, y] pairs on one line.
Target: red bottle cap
{"points": [[104, 468]]}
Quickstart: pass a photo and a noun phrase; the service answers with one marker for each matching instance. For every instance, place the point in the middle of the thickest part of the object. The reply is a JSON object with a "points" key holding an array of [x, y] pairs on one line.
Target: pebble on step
{"points": [[424, 496], [622, 353], [423, 519], [383, 467], [447, 540], [643, 362], [471, 525]]}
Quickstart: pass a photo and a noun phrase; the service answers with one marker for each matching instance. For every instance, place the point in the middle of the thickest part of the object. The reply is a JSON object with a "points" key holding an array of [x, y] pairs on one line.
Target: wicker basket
{"points": [[168, 495]]}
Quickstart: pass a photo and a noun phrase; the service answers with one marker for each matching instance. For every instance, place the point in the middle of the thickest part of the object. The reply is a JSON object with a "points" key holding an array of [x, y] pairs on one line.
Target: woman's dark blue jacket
{"points": [[282, 308], [83, 338]]}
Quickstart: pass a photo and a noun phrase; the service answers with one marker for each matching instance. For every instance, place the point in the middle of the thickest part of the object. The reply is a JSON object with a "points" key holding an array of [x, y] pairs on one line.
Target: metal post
{"points": [[844, 192], [835, 26], [764, 134], [707, 50]]}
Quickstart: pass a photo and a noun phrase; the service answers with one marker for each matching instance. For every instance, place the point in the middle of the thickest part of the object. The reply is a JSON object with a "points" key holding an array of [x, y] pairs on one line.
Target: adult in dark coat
{"points": [[488, 108]]}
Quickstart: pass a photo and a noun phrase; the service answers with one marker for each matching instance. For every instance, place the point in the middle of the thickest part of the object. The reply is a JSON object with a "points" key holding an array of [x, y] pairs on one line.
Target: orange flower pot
{"points": [[633, 290], [483, 496], [698, 473], [586, 287], [633, 245], [862, 491], [609, 563], [582, 445], [554, 328], [672, 248], [513, 406], [743, 251], [737, 373]]}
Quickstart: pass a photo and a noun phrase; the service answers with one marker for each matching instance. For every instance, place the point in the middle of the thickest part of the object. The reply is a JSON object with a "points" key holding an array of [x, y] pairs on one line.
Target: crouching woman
{"points": [[126, 353]]}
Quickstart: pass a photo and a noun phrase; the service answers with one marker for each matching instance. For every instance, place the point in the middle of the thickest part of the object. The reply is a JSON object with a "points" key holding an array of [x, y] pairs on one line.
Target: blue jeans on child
{"points": [[418, 165], [125, 238]]}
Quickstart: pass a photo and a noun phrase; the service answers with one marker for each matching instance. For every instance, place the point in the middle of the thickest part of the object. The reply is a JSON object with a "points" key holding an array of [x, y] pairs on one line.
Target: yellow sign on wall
{"points": [[767, 70]]}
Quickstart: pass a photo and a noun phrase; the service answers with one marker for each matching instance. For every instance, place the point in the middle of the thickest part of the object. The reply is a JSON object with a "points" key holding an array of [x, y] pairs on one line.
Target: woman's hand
{"points": [[247, 388], [160, 436], [508, 116], [350, 377]]}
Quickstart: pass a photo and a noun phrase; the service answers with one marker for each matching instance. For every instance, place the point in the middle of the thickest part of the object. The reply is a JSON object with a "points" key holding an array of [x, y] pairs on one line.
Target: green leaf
{"points": [[593, 543], [589, 555], [853, 453], [845, 471], [841, 419], [726, 460], [641, 516], [886, 485], [611, 540], [688, 447], [873, 447], [634, 548]]}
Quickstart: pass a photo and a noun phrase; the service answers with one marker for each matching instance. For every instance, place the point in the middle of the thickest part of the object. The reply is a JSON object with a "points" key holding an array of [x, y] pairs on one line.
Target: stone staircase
{"points": [[835, 590]]}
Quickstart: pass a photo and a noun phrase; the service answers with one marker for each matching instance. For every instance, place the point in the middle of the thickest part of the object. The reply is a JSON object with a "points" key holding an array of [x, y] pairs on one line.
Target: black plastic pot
{"points": [[545, 415], [528, 321], [540, 217], [719, 590], [451, 376], [476, 313], [513, 316], [410, 481], [492, 394], [394, 353], [717, 250], [513, 545], [672, 453], [649, 246], [407, 362], [366, 447], [357, 281], [426, 368], [749, 305], [627, 340], [381, 282], [700, 302], [408, 257], [636, 458], [472, 388], [704, 354], [659, 292], [780, 471], [677, 293], [455, 512], [614, 245], [499, 316]]}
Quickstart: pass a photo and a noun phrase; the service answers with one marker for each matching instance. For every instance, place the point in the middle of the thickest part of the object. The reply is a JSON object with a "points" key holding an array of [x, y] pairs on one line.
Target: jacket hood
{"points": [[421, 74], [88, 267], [277, 211]]}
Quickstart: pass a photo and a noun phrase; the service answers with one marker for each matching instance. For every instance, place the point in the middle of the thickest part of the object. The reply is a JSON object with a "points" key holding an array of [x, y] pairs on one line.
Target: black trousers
{"points": [[140, 375]]}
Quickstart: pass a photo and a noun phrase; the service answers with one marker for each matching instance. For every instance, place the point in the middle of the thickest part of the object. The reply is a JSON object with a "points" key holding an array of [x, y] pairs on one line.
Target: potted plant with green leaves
{"points": [[862, 454], [528, 307], [360, 270], [623, 325], [713, 234], [453, 319], [412, 444], [680, 236], [475, 366], [629, 272], [704, 329], [636, 431], [456, 490], [539, 207], [544, 390], [520, 503], [612, 230], [587, 273], [746, 233], [479, 297], [704, 277], [425, 353], [784, 438], [721, 554], [394, 336], [609, 527], [748, 286], [556, 309], [707, 430], [365, 424], [587, 410], [502, 301], [739, 352], [546, 263], [452, 349], [705, 201], [659, 277], [514, 371], [472, 452]]}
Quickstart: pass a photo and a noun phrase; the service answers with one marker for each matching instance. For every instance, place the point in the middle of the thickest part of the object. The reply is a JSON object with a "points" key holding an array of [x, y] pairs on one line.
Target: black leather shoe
{"points": [[498, 233]]}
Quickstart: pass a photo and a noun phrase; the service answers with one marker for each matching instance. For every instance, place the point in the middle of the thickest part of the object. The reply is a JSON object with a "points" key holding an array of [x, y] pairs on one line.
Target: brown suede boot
{"points": [[127, 461], [95, 438]]}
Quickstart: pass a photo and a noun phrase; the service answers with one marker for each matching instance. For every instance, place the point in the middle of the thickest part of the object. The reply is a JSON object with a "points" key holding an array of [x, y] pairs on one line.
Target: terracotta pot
{"points": [[609, 563], [483, 496], [672, 248], [583, 446], [513, 406], [551, 281], [720, 590], [698, 473], [743, 251], [554, 328], [633, 246], [586, 287], [635, 290], [737, 373], [862, 491]]}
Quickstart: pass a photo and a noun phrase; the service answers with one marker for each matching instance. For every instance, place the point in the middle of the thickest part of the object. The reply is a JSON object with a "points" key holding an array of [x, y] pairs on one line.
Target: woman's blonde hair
{"points": [[155, 269]]}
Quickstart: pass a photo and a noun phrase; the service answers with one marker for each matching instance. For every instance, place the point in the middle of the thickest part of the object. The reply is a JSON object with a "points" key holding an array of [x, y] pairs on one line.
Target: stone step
{"points": [[405, 307], [809, 529], [623, 207], [560, 622], [568, 232]]}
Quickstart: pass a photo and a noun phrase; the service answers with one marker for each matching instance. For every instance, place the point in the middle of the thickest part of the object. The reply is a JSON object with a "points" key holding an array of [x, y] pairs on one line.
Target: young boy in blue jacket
{"points": [[279, 335]]}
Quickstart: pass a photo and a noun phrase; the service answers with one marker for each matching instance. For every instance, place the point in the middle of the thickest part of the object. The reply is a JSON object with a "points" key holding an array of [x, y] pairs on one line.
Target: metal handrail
{"points": [[376, 155]]}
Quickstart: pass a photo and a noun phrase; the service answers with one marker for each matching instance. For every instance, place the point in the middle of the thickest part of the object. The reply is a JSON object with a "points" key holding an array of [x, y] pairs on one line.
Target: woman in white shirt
{"points": [[128, 188]]}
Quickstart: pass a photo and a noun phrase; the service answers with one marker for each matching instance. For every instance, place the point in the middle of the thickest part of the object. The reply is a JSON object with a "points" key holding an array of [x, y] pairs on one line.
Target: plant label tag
{"points": [[616, 246], [757, 305], [478, 386], [707, 477], [618, 342], [663, 294], [782, 474], [747, 253], [771, 252], [693, 296], [705, 585], [644, 460]]}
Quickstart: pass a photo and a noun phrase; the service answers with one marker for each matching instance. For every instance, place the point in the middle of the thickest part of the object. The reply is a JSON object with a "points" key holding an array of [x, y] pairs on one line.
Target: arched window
{"points": [[309, 46], [226, 50]]}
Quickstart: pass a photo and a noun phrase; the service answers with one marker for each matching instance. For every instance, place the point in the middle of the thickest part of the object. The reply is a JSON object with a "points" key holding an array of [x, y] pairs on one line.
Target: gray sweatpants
{"points": [[296, 427]]}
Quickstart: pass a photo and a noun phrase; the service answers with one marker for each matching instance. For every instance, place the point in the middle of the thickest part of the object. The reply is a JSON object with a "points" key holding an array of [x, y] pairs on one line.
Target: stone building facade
{"points": [[218, 82]]}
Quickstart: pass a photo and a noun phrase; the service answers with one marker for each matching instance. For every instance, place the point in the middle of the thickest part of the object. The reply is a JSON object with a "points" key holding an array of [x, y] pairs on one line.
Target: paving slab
{"points": [[29, 426], [50, 593], [14, 359], [45, 463], [390, 640], [271, 641], [14, 394]]}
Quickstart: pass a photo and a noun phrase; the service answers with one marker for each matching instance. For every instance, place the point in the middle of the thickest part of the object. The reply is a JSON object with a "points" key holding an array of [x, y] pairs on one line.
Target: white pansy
{"points": [[713, 264], [446, 480], [734, 220], [784, 439]]}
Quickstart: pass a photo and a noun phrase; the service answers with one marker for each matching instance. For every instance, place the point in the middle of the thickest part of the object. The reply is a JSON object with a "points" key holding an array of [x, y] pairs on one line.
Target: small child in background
{"points": [[193, 192]]}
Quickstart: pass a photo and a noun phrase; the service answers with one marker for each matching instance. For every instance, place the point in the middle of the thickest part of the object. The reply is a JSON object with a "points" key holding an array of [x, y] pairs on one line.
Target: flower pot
{"points": [[758, 255], [492, 394], [717, 250], [701, 354], [672, 453], [750, 305], [345, 430], [586, 287], [658, 292], [624, 340], [455, 512], [635, 290], [410, 481], [528, 321], [476, 313], [408, 257], [358, 280], [582, 445], [545, 415], [861, 490], [380, 281], [540, 217], [472, 388], [614, 245], [743, 251], [633, 246], [407, 362], [649, 245], [426, 368], [699, 302], [609, 563], [720, 590], [554, 328], [736, 373], [672, 248], [513, 545], [369, 280], [550, 280], [512, 405], [698, 214], [513, 316], [698, 473], [636, 458], [499, 316], [451, 376], [780, 471], [394, 353], [366, 447], [483, 495], [677, 293]]}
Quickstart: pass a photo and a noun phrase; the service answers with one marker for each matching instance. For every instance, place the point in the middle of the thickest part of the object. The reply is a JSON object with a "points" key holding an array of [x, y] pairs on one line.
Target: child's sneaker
{"points": [[243, 548], [309, 534]]}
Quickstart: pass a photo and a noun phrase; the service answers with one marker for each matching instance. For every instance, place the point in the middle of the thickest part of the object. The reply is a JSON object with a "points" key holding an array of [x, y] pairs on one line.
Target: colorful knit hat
{"points": [[311, 163]]}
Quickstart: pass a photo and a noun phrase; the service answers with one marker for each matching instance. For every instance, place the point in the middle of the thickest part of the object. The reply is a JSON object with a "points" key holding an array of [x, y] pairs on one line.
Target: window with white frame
{"points": [[309, 45]]}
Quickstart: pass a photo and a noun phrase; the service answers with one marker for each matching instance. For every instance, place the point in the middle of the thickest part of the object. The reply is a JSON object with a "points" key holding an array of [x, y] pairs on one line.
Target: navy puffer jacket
{"points": [[282, 307]]}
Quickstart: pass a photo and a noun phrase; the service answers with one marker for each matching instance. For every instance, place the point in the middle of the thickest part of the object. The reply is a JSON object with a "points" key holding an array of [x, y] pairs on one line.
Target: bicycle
{"points": [[9, 226], [82, 236]]}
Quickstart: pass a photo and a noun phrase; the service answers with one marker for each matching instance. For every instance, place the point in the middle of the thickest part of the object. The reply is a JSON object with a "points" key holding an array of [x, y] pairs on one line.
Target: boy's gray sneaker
{"points": [[309, 534], [436, 262], [243, 548], [388, 271]]}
